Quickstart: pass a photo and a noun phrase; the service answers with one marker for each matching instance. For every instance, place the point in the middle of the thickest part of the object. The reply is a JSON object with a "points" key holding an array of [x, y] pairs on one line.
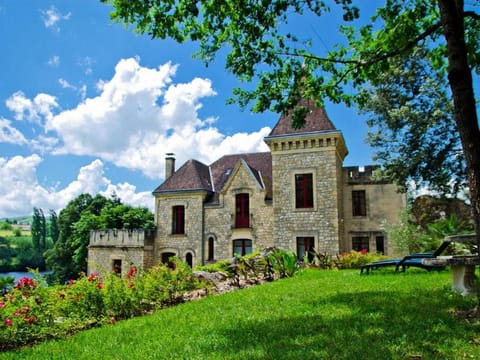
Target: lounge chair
{"points": [[412, 260]]}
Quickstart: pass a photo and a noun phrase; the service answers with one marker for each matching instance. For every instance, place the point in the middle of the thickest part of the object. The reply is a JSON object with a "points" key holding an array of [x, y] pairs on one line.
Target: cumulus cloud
{"points": [[51, 17], [139, 115], [41, 107], [9, 134], [20, 190]]}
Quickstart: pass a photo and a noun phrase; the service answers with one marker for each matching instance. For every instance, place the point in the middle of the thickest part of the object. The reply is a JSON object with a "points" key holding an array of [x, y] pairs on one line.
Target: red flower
{"points": [[93, 277], [363, 251], [8, 322], [70, 282], [100, 285], [2, 305], [132, 272], [25, 283]]}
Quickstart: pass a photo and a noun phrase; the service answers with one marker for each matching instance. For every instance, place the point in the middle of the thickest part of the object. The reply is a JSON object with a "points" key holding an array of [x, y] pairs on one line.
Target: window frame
{"points": [[178, 220], [361, 242], [244, 246], [359, 203], [304, 191], [242, 210], [305, 242]]}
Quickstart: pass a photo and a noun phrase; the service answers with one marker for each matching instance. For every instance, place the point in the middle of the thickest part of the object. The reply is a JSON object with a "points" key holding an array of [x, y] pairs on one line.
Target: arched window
{"points": [[211, 249], [166, 259], [189, 259]]}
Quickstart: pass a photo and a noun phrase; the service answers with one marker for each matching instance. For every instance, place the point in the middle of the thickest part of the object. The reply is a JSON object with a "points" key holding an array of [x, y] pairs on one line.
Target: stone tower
{"points": [[307, 182]]}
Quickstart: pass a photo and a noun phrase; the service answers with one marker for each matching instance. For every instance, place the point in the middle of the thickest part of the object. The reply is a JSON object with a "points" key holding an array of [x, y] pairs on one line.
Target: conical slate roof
{"points": [[316, 120]]}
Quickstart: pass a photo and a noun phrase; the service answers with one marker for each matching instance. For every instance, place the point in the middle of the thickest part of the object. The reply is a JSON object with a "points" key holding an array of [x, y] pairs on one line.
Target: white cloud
{"points": [[51, 17], [35, 110], [20, 190], [54, 61], [139, 115], [8, 134]]}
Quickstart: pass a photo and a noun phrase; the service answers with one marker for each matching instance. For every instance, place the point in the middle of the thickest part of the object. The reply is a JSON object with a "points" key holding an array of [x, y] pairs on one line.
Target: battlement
{"points": [[363, 175], [121, 238]]}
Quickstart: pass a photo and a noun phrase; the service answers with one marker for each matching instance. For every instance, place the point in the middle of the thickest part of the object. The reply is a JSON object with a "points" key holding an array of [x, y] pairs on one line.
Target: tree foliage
{"points": [[68, 258], [410, 115]]}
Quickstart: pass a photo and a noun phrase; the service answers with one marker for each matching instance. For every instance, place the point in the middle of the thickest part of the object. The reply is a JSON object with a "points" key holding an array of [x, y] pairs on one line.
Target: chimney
{"points": [[169, 165]]}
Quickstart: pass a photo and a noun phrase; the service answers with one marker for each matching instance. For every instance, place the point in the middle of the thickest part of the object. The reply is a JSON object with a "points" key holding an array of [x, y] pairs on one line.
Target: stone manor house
{"points": [[298, 196]]}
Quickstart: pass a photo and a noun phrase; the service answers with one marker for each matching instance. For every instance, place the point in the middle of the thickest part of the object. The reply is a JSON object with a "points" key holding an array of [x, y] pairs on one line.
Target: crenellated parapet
{"points": [[122, 238]]}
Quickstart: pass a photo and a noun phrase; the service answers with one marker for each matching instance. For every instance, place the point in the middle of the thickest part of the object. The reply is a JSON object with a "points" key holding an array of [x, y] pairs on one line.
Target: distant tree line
{"points": [[21, 252]]}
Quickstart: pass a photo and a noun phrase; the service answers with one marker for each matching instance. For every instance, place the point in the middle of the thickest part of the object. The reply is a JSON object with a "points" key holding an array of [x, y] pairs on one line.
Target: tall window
{"points": [[178, 220], [305, 246], [242, 247], [359, 203], [211, 249], [303, 191], [360, 243], [242, 211]]}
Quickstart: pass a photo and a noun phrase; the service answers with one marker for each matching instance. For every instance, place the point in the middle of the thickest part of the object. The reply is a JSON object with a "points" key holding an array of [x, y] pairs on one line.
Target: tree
{"points": [[286, 68], [411, 124], [53, 230], [39, 231]]}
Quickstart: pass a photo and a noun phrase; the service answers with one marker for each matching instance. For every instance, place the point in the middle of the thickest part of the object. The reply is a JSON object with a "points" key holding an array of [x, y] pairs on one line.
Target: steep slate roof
{"points": [[316, 120], [194, 175], [260, 164]]}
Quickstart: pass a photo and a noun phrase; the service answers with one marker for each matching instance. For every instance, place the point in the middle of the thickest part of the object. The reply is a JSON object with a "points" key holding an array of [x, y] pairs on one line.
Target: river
{"points": [[17, 275]]}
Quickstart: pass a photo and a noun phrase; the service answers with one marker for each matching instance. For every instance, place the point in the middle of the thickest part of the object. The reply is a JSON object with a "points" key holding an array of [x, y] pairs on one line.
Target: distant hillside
{"points": [[27, 219]]}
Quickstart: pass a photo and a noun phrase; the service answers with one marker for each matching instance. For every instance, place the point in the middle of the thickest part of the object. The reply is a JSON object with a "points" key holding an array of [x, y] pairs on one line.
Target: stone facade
{"points": [[118, 250], [297, 197]]}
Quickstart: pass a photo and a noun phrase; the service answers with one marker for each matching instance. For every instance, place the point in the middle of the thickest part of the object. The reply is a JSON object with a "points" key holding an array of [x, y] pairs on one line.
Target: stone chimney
{"points": [[169, 165]]}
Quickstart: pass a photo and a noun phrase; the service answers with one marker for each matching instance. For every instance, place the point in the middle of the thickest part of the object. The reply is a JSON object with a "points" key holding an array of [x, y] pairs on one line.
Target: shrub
{"points": [[356, 259]]}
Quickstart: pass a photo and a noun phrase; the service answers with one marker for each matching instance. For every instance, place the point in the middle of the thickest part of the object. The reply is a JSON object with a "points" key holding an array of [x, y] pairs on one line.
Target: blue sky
{"points": [[88, 106]]}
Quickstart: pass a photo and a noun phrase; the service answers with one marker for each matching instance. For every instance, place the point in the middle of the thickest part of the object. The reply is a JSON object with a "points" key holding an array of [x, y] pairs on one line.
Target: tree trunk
{"points": [[461, 84]]}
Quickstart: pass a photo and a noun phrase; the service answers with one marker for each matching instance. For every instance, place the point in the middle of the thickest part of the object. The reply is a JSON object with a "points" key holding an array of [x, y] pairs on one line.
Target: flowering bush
{"points": [[32, 311]]}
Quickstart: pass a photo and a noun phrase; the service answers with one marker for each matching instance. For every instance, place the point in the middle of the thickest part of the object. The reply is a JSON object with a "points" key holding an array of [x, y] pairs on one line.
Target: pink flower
{"points": [[8, 322], [2, 304]]}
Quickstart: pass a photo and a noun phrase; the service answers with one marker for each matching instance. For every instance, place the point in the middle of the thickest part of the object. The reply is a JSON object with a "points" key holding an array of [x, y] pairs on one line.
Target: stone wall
{"points": [[180, 244], [320, 154], [125, 248], [383, 205], [220, 219]]}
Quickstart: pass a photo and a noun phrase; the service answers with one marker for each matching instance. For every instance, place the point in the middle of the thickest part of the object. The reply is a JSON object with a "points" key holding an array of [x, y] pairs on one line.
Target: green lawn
{"points": [[316, 315]]}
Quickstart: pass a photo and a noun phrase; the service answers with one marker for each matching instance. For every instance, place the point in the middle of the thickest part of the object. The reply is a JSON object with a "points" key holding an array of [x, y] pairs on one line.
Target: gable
{"points": [[243, 176]]}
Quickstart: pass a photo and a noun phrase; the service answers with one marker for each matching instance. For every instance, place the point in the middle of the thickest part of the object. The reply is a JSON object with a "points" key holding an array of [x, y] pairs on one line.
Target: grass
{"points": [[316, 315]]}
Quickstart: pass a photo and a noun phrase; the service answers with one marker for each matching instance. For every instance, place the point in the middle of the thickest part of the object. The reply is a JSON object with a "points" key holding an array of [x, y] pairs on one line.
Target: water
{"points": [[17, 275]]}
